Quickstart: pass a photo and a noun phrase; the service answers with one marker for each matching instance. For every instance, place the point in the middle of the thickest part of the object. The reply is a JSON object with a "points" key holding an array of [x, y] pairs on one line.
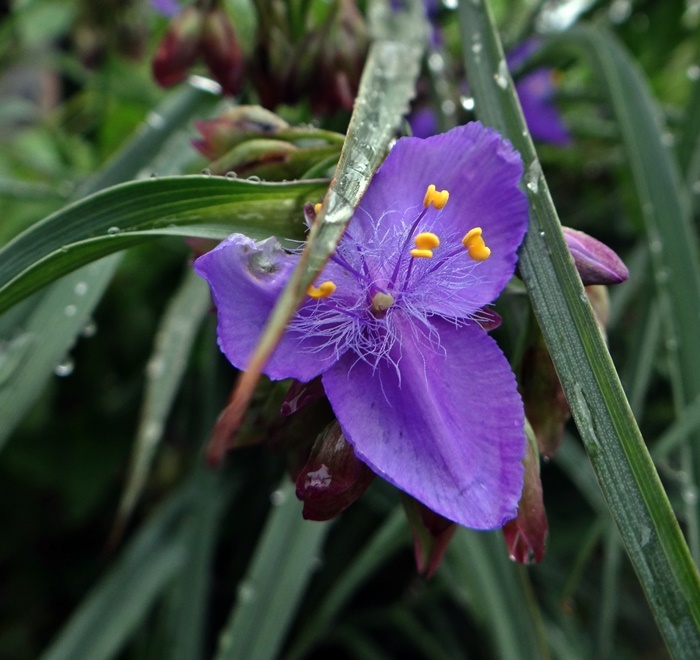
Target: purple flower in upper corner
{"points": [[536, 92], [396, 325], [166, 7]]}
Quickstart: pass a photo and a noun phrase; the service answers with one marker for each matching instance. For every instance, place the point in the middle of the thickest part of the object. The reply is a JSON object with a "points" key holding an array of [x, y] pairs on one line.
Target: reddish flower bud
{"points": [[221, 51], [300, 394], [333, 477], [596, 262], [234, 126], [179, 48], [431, 534], [546, 407], [526, 535]]}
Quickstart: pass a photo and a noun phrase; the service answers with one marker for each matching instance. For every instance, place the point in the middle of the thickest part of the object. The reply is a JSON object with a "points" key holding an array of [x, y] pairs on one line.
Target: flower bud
{"points": [[546, 407], [234, 126], [333, 477], [431, 534], [221, 51], [301, 394], [526, 534], [596, 263], [179, 48]]}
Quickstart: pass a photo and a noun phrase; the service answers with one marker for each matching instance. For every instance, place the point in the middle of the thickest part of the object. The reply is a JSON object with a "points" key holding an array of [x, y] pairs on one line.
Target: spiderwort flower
{"points": [[536, 92], [421, 391]]}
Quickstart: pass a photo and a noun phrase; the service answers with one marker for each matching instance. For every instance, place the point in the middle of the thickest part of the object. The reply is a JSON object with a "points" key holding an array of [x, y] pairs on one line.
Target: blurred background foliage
{"points": [[221, 564]]}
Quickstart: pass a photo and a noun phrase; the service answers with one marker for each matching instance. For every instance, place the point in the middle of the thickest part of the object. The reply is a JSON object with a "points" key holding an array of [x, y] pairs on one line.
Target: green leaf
{"points": [[610, 434], [164, 371], [479, 575], [40, 334], [109, 615], [268, 597], [129, 214]]}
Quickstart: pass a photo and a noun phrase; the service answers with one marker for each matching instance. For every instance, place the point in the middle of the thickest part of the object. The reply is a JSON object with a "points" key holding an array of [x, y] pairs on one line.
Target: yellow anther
{"points": [[426, 241], [422, 254], [322, 291], [476, 247], [436, 198], [318, 207]]}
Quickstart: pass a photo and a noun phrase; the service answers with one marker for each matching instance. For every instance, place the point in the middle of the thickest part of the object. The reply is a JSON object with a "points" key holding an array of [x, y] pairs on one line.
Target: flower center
{"points": [[380, 303]]}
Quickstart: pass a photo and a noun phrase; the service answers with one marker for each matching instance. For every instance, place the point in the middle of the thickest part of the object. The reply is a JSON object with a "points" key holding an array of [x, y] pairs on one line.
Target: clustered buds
{"points": [[200, 32]]}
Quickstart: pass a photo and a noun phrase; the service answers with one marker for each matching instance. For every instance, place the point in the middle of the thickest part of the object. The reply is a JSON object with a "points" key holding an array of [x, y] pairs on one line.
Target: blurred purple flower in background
{"points": [[166, 7], [536, 91], [396, 325]]}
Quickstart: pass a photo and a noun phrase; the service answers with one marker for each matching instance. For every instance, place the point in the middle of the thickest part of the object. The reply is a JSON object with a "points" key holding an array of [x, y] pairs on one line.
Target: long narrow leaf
{"points": [[612, 439], [131, 213], [269, 595], [50, 322]]}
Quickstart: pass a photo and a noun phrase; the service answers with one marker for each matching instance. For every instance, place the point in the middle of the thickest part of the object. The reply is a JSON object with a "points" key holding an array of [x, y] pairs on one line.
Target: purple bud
{"points": [[431, 533], [596, 263], [526, 535], [333, 477]]}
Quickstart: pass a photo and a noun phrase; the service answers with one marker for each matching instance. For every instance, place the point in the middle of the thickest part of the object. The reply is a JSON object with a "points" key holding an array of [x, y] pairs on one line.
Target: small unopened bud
{"points": [[301, 394], [431, 534], [596, 262], [221, 51], [234, 126], [179, 48], [333, 477], [526, 534]]}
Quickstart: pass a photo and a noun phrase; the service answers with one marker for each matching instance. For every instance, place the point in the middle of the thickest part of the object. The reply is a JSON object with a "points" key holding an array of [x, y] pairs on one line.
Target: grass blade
{"points": [[610, 434], [268, 598], [131, 213]]}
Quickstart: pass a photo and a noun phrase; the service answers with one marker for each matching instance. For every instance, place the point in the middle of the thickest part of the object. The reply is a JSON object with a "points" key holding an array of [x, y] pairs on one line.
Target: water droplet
{"points": [[620, 11], [672, 344], [152, 432], [645, 535], [662, 276], [206, 171], [231, 175], [467, 102], [89, 329], [656, 246], [154, 120], [542, 234], [113, 231], [436, 63], [278, 497], [668, 139], [448, 107], [693, 72], [155, 368], [81, 288], [696, 187], [70, 310], [690, 495], [246, 593], [476, 48], [584, 297], [532, 177], [254, 178], [501, 76], [65, 367], [450, 4]]}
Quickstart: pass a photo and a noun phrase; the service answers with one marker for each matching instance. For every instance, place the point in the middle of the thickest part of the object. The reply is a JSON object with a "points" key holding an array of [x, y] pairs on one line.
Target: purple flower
{"points": [[536, 92], [421, 391], [166, 7]]}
